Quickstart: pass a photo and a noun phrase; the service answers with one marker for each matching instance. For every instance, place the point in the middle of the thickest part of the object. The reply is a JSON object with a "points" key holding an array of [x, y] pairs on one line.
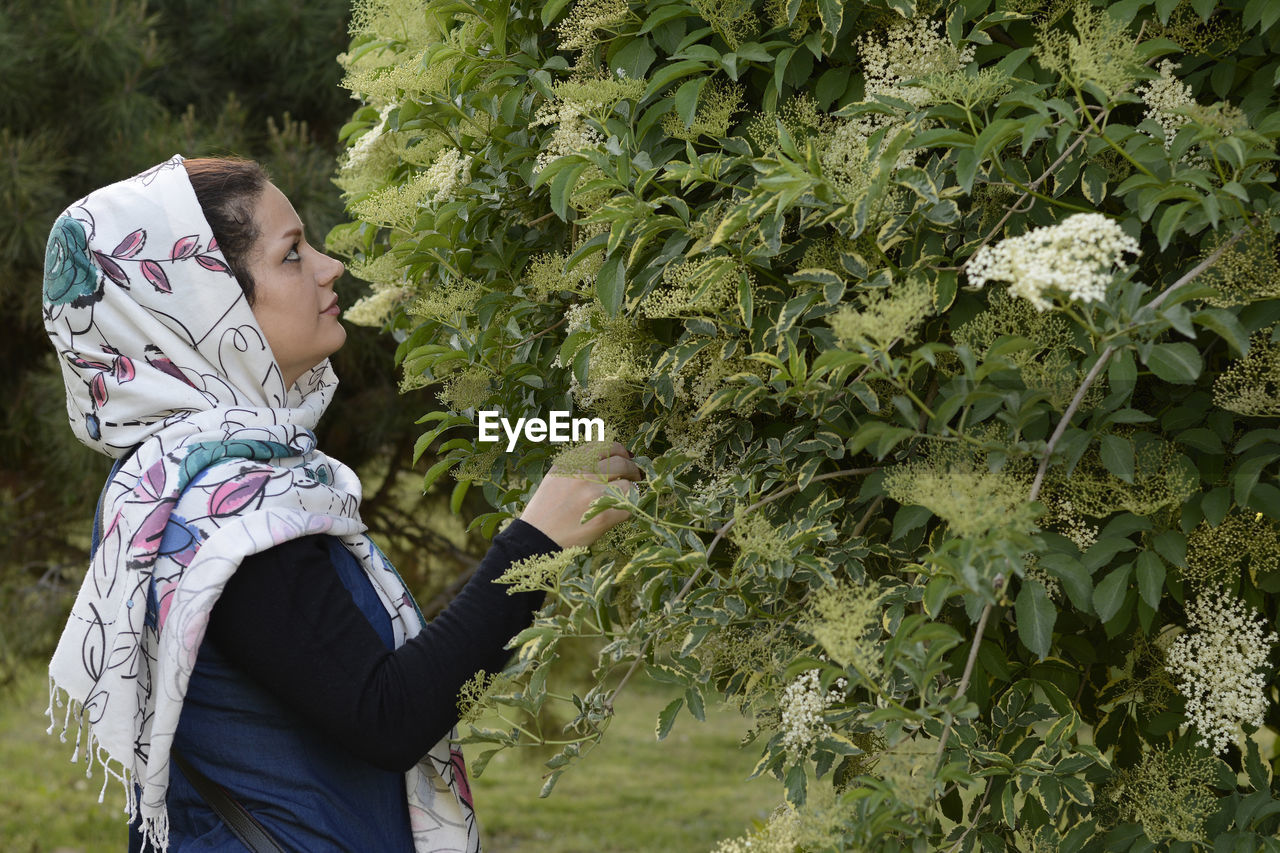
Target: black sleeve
{"points": [[288, 621]]}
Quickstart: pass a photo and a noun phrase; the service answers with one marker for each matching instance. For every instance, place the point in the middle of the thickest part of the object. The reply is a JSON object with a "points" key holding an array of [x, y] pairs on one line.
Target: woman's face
{"points": [[294, 302]]}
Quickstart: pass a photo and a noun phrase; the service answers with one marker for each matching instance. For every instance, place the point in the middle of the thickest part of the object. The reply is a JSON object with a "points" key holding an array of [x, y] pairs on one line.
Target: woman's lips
{"points": [[332, 309]]}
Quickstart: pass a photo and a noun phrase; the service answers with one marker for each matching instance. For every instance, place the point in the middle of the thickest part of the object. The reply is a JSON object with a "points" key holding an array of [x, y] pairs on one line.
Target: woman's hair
{"points": [[227, 190]]}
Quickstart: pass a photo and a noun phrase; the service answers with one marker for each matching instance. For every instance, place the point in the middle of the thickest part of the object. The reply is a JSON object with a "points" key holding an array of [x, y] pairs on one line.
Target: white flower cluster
{"points": [[780, 835], [1216, 667], [374, 309], [1075, 258], [909, 50], [359, 153], [1073, 525], [444, 175], [803, 704], [1163, 97], [572, 132]]}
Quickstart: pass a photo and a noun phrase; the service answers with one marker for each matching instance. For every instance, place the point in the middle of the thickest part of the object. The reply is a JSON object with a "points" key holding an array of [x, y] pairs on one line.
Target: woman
{"points": [[235, 625]]}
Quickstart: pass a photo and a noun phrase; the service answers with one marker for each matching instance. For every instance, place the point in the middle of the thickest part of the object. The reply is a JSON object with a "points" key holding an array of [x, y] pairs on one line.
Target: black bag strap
{"points": [[243, 825]]}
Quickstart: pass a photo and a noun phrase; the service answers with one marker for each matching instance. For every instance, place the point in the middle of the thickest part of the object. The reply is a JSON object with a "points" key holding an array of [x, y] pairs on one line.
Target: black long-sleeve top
{"points": [[287, 620]]}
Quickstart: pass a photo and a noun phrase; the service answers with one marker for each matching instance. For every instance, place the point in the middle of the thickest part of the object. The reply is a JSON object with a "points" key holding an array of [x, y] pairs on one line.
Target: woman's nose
{"points": [[335, 269]]}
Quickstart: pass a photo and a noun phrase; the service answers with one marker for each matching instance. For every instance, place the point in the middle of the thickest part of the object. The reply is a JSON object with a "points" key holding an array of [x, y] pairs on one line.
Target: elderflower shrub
{"points": [[855, 461], [842, 619], [542, 572], [1216, 663], [1077, 259], [803, 703], [1249, 385], [1101, 51], [962, 490], [887, 316], [1168, 793], [1165, 99], [1247, 271], [910, 51], [1218, 554]]}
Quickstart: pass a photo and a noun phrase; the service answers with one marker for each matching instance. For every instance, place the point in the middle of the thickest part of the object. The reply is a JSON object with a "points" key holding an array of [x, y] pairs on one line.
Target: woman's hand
{"points": [[562, 497]]}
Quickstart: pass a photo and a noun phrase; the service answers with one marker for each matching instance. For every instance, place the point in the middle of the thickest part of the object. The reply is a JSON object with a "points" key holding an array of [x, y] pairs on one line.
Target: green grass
{"points": [[633, 794]]}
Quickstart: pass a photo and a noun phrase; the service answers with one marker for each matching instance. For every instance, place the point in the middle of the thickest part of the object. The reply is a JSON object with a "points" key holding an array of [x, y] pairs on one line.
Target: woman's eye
{"points": [[293, 254]]}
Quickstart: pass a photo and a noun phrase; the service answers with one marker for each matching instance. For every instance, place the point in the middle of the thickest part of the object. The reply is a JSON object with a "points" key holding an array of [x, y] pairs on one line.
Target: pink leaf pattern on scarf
{"points": [[98, 388], [153, 273], [152, 482], [185, 247], [130, 245], [234, 495], [146, 540], [122, 368], [212, 264], [111, 268]]}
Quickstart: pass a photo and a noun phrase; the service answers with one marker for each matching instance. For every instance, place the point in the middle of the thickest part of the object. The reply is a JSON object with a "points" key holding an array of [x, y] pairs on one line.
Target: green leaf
{"points": [[1117, 456], [611, 284], [562, 186], [634, 59], [1225, 325], [696, 705], [1075, 579], [551, 10], [1094, 183], [1246, 475], [745, 300], [1164, 8], [1110, 593], [670, 73], [687, 99], [434, 472], [1151, 574], [1169, 222], [1035, 614], [667, 718], [832, 14], [795, 783], [1258, 775], [1177, 362]]}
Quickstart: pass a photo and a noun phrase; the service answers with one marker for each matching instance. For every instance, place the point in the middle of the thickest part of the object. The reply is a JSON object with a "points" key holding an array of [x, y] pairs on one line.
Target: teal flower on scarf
{"points": [[69, 275]]}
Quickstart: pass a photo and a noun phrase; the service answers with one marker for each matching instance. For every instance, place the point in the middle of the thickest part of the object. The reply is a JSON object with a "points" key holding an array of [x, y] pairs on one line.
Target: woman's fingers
{"points": [[616, 448], [617, 467]]}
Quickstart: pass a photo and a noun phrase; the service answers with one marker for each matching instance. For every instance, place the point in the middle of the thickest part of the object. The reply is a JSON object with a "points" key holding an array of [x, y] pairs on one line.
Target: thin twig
{"points": [[985, 794], [715, 540], [550, 328], [964, 682]]}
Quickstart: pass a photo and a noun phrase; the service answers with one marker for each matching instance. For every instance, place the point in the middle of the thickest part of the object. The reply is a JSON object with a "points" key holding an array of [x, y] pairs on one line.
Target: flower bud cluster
{"points": [[803, 706], [1075, 258], [1216, 666]]}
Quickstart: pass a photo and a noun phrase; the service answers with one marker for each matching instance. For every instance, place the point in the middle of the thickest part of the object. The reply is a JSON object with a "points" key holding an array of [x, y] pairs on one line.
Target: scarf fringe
{"points": [[155, 829]]}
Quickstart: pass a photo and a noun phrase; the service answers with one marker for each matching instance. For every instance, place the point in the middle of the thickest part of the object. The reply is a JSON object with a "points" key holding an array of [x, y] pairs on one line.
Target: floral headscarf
{"points": [[160, 352]]}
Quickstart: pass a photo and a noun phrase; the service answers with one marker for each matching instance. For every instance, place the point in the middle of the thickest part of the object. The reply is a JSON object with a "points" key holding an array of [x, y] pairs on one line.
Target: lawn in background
{"points": [[632, 795]]}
